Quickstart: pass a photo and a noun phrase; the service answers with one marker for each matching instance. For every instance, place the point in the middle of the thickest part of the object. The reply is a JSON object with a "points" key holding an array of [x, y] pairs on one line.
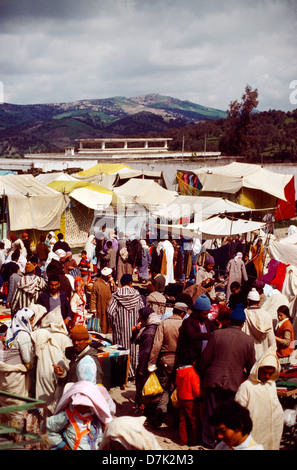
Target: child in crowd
{"points": [[85, 266], [237, 296], [188, 388]]}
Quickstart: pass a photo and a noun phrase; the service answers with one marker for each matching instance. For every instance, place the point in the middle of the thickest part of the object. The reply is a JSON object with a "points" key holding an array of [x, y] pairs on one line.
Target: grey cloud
{"points": [[205, 51]]}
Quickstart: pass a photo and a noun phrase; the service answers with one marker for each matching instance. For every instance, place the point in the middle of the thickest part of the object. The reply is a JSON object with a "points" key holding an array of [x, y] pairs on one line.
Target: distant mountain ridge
{"points": [[54, 126]]}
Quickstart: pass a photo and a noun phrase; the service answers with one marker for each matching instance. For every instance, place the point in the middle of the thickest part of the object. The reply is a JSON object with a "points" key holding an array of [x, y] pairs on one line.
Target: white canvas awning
{"points": [[145, 192], [200, 206], [216, 227], [290, 240], [284, 252], [47, 178], [91, 199], [31, 204], [91, 195], [231, 178]]}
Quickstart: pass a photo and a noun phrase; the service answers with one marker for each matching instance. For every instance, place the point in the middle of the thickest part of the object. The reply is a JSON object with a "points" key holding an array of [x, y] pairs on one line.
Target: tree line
{"points": [[267, 136]]}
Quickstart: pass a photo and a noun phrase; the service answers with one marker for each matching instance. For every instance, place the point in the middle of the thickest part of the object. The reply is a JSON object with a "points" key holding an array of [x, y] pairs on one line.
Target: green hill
{"points": [[52, 127]]}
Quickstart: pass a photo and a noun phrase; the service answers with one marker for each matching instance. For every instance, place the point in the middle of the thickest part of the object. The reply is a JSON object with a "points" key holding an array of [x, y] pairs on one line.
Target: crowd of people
{"points": [[203, 333]]}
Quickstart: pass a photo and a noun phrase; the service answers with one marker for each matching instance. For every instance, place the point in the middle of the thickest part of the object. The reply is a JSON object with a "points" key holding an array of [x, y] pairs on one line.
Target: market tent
{"points": [[283, 252], [146, 192], [287, 253], [199, 207], [85, 199], [114, 174], [47, 178], [31, 204], [248, 184], [215, 227], [91, 195]]}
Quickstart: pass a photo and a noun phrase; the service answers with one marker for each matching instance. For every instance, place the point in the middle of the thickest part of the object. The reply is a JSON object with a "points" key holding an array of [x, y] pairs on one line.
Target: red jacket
{"points": [[188, 383]]}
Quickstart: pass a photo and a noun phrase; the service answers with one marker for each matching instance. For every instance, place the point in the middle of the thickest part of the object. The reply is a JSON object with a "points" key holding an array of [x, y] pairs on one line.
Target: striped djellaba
{"points": [[123, 313]]}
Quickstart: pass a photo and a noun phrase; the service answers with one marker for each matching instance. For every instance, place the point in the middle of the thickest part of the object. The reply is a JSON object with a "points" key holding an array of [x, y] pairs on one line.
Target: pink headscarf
{"points": [[86, 393]]}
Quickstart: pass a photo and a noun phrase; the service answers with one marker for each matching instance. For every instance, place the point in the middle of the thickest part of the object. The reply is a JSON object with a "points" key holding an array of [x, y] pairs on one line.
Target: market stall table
{"points": [[114, 359]]}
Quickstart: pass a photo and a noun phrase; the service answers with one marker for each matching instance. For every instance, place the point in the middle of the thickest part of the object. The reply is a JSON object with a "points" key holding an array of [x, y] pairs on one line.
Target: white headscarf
{"points": [[20, 322], [50, 241], [269, 359], [90, 246], [86, 369], [143, 243], [238, 257]]}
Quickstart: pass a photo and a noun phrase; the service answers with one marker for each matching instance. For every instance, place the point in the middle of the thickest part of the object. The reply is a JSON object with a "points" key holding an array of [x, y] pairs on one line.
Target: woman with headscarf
{"points": [[19, 244], [90, 248], [18, 336], [258, 257], [169, 256], [78, 303], [143, 270], [259, 395], [50, 240], [284, 335], [17, 360], [113, 238], [87, 370], [235, 270], [80, 418]]}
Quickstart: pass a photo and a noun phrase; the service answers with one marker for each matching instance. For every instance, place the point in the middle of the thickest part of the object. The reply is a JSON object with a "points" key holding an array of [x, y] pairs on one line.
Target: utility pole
{"points": [[183, 147]]}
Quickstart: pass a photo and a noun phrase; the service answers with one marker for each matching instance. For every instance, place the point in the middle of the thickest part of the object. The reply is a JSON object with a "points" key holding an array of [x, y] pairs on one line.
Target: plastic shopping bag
{"points": [[152, 386], [174, 398]]}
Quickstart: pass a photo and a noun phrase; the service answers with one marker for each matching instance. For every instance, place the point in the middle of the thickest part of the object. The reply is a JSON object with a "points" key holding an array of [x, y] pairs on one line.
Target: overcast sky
{"points": [[205, 51]]}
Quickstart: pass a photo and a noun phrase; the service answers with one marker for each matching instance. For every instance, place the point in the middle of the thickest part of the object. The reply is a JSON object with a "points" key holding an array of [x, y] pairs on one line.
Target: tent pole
{"points": [[230, 235]]}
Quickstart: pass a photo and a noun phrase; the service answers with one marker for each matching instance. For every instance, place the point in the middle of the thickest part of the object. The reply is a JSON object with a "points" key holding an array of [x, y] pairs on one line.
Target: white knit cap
{"points": [[106, 271], [254, 295], [61, 253]]}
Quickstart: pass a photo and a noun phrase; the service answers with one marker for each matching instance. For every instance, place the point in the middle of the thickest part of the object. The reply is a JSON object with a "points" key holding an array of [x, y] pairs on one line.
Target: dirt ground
{"points": [[167, 434]]}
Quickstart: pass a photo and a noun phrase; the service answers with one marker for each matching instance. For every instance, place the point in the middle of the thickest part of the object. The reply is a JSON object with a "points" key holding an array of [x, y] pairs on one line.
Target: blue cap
{"points": [[202, 303], [238, 313]]}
